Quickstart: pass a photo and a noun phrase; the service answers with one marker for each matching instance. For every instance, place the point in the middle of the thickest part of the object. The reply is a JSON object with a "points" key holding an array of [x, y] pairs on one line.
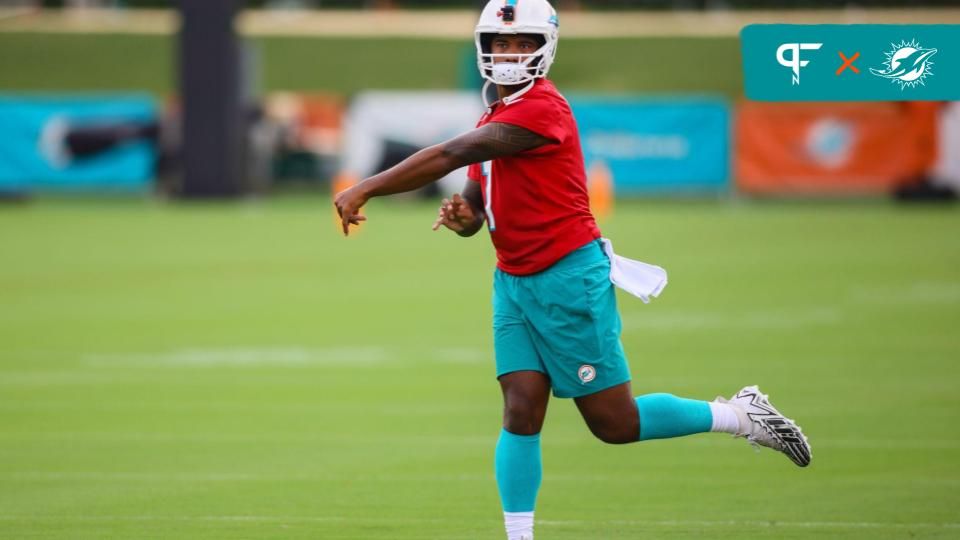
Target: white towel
{"points": [[637, 278]]}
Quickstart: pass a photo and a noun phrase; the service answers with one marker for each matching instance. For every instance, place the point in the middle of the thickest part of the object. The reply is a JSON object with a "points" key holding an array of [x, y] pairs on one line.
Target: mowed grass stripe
{"points": [[545, 523], [179, 361], [345, 66]]}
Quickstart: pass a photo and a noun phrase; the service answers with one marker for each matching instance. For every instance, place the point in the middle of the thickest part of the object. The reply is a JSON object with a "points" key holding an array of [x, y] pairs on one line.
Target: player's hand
{"points": [[455, 214], [348, 203]]}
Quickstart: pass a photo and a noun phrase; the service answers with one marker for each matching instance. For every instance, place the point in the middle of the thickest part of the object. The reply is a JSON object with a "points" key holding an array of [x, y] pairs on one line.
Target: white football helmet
{"points": [[516, 17]]}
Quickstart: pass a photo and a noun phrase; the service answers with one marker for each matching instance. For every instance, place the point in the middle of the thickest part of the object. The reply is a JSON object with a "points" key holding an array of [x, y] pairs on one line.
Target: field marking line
{"points": [[166, 477], [339, 356], [268, 519], [348, 439], [432, 439], [754, 319], [924, 293], [768, 524], [560, 523], [438, 408]]}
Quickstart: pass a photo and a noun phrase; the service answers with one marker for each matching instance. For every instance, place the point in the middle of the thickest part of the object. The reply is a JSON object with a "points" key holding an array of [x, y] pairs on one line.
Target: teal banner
{"points": [[657, 146], [856, 62], [76, 142]]}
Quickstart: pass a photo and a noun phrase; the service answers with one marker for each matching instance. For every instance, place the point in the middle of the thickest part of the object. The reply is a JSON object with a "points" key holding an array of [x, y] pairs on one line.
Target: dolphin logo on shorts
{"points": [[586, 373]]}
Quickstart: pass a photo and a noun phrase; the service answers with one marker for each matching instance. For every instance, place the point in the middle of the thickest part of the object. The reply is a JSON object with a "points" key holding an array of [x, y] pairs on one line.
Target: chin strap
{"points": [[519, 93], [483, 94], [509, 99]]}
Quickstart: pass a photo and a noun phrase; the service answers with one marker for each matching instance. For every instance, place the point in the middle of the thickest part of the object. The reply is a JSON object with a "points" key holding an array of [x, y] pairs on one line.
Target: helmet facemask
{"points": [[523, 69]]}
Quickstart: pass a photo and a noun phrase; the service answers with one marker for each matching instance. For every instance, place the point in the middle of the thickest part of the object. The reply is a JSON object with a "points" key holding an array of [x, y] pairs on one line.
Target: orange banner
{"points": [[833, 148]]}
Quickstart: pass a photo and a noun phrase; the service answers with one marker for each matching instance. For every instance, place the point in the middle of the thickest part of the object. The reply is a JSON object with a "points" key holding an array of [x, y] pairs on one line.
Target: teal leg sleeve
{"points": [[518, 470], [663, 416]]}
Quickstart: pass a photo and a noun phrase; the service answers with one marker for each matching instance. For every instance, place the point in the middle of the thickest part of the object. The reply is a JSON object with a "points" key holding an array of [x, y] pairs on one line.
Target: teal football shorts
{"points": [[563, 322]]}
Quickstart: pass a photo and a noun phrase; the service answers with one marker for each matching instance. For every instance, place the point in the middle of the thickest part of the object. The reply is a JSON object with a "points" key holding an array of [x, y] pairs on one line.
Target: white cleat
{"points": [[767, 427]]}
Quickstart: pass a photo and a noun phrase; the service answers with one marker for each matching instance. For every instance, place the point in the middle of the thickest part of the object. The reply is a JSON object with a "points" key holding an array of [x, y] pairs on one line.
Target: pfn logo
{"points": [[794, 62]]}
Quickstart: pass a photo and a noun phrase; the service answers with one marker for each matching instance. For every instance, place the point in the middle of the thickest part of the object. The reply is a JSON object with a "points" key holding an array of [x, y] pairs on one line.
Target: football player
{"points": [[556, 324]]}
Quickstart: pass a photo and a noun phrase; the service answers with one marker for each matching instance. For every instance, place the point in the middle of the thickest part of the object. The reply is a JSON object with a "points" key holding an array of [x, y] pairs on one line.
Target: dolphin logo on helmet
{"points": [[536, 17]]}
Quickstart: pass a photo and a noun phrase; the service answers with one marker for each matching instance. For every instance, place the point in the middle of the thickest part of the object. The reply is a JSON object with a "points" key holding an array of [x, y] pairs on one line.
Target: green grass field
{"points": [[240, 371], [65, 62]]}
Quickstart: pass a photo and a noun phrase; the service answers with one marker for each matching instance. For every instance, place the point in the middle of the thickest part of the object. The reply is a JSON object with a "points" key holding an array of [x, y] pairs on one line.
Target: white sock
{"points": [[519, 525], [725, 418]]}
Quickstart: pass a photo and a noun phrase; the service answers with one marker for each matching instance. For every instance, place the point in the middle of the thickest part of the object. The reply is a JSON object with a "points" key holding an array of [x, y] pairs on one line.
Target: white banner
{"points": [[947, 170], [378, 120]]}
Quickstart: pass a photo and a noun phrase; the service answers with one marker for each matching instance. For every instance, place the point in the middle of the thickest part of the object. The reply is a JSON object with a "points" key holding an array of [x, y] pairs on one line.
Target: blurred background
{"points": [[229, 98], [189, 348]]}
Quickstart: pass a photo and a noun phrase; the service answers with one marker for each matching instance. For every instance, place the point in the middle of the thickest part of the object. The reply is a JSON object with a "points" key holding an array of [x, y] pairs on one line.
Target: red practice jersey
{"points": [[536, 201]]}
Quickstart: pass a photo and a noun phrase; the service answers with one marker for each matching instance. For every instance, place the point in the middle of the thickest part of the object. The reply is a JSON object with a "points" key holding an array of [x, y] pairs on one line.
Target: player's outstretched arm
{"points": [[491, 141]]}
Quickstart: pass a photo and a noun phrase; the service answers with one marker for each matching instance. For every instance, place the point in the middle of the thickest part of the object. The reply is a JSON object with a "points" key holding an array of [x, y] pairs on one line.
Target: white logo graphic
{"points": [[829, 142], [587, 373], [794, 62], [907, 64]]}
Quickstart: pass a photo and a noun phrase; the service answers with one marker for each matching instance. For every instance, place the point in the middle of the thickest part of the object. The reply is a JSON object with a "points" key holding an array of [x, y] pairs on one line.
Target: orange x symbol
{"points": [[848, 62]]}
